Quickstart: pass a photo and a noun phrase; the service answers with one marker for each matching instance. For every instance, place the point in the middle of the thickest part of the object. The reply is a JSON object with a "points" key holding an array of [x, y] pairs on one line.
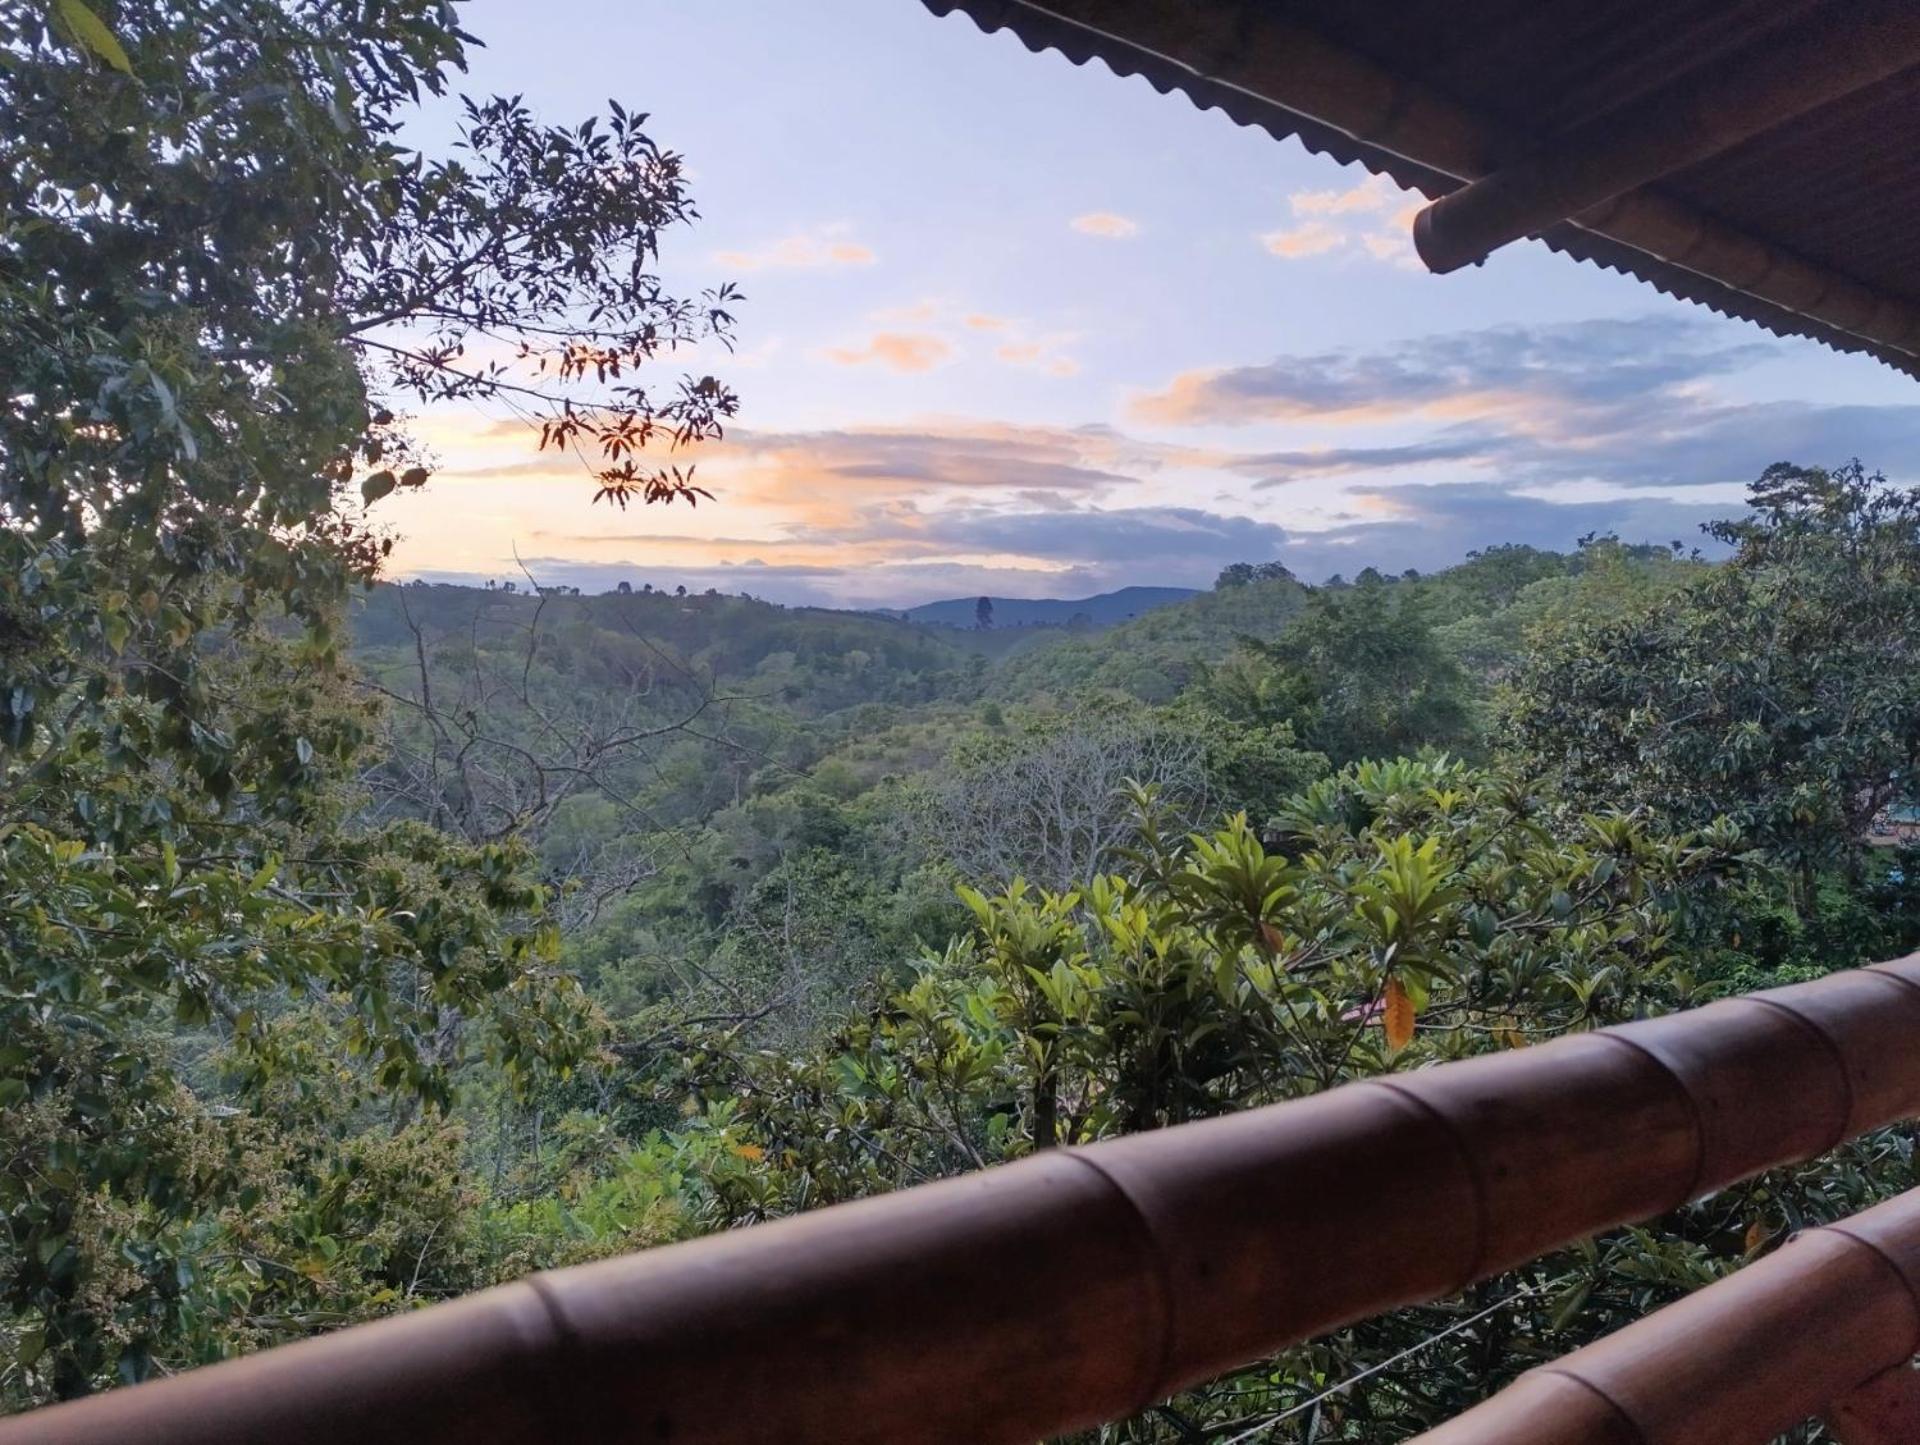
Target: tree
{"points": [[1360, 674], [1241, 574], [1780, 688], [983, 613], [1049, 801], [223, 275], [1489, 610]]}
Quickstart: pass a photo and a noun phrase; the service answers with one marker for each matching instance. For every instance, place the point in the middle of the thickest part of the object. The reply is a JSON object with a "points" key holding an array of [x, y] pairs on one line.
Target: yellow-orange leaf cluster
{"points": [[1398, 1015]]}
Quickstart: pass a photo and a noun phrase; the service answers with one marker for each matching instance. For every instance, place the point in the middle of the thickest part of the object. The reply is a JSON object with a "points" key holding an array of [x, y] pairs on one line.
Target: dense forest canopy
{"points": [[362, 944]]}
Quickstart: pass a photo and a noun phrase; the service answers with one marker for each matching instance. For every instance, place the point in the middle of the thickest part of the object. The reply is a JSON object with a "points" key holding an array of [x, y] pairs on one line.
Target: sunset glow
{"points": [[1157, 345]]}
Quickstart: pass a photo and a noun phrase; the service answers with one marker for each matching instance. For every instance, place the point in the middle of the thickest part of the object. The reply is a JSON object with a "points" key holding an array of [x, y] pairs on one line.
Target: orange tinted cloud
{"points": [[917, 314], [1219, 396], [1105, 223], [849, 498], [852, 481], [1311, 239], [1374, 218], [1036, 356], [895, 350], [1375, 193], [826, 247]]}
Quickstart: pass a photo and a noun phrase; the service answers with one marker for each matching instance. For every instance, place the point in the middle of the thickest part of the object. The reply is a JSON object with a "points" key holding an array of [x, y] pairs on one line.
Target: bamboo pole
{"points": [[1084, 1284], [1738, 1362]]}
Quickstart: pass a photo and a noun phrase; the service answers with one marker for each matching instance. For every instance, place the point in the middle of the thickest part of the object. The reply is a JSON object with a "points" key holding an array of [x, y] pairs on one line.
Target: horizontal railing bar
{"points": [[1736, 1363], [1883, 1411], [1084, 1284]]}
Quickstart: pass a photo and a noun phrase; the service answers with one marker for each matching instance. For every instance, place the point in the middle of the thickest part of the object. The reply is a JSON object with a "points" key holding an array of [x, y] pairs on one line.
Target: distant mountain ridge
{"points": [[1104, 610]]}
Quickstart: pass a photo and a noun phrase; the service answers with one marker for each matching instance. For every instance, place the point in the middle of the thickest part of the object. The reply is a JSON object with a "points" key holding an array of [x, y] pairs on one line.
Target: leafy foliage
{"points": [[219, 271], [1405, 913], [1778, 689], [1362, 674], [1216, 972]]}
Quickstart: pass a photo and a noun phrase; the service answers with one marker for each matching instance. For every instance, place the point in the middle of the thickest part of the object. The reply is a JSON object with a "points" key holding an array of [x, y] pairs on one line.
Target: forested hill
{"points": [[1099, 611], [812, 661], [879, 658], [597, 724]]}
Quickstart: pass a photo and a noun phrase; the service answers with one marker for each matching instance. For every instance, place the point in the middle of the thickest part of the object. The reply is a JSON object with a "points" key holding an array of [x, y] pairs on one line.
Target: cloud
{"points": [[1404, 454], [1036, 356], [1430, 527], [1067, 545], [1105, 223], [1311, 239], [1031, 551], [859, 485], [1374, 217], [917, 313], [882, 514], [1630, 405], [1548, 375], [824, 246], [1372, 196], [1056, 551], [895, 350], [1278, 468], [1181, 543], [926, 333]]}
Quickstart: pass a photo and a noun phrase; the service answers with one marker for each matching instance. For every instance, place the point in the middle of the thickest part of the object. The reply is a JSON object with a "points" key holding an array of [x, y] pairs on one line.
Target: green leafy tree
{"points": [[1490, 623], [1359, 673], [1779, 689], [1240, 574], [220, 272]]}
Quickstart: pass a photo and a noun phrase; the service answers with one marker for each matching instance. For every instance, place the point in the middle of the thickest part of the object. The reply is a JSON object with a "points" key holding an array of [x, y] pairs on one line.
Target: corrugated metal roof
{"points": [[1837, 187]]}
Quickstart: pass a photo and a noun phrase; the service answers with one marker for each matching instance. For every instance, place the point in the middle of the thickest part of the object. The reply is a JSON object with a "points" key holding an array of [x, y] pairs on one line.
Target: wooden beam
{"points": [[1789, 72]]}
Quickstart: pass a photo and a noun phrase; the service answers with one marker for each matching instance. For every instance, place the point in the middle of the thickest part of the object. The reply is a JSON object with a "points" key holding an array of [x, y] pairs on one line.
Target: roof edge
{"points": [[1225, 56]]}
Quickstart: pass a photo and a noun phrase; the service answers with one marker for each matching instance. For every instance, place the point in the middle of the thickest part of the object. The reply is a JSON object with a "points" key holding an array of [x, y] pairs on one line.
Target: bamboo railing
{"points": [[1082, 1285], [1741, 1360]]}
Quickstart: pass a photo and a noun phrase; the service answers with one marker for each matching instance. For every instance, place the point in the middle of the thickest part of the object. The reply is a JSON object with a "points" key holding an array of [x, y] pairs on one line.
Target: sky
{"points": [[1021, 328]]}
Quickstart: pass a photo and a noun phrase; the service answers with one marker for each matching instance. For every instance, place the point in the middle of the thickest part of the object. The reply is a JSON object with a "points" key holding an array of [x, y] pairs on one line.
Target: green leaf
{"points": [[91, 33], [1568, 1306]]}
